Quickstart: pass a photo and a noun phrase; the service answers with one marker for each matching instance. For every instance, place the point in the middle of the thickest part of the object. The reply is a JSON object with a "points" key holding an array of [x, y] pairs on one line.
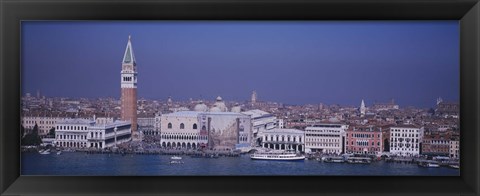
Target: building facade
{"points": [[261, 121], [406, 140], [325, 138], [366, 139], [436, 143], [98, 133], [44, 123], [212, 130], [129, 88], [283, 139]]}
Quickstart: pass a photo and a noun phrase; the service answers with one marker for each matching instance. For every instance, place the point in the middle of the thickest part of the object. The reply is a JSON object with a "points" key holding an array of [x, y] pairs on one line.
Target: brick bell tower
{"points": [[129, 88]]}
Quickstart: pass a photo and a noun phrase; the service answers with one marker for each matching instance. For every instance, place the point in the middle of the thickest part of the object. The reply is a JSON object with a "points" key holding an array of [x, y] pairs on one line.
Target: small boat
{"points": [[44, 151], [176, 158], [277, 156], [454, 166], [59, 152], [429, 164]]}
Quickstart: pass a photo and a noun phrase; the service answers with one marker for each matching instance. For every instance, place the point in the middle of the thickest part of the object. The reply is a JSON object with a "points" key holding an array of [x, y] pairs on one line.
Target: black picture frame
{"points": [[12, 12]]}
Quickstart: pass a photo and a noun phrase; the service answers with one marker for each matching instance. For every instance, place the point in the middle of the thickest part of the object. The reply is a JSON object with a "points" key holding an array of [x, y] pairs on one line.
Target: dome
{"points": [[219, 98], [220, 105], [236, 109], [215, 109], [201, 107]]}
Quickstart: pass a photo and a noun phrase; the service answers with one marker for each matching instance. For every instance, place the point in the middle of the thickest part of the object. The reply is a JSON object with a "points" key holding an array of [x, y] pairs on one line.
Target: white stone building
{"points": [[261, 121], [454, 149], [99, 133], [405, 140], [213, 130], [44, 123], [325, 138], [283, 139]]}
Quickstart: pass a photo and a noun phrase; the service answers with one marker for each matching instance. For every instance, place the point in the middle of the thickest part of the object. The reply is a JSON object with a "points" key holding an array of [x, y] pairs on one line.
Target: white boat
{"points": [[277, 156], [333, 159], [432, 164], [454, 166], [59, 152], [176, 158]]}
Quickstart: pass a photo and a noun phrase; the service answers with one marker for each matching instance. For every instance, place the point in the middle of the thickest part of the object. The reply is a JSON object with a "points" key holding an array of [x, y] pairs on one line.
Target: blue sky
{"points": [[293, 62]]}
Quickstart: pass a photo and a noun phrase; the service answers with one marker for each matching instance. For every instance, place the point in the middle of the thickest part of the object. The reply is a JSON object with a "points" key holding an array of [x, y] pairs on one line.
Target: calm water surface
{"points": [[73, 163]]}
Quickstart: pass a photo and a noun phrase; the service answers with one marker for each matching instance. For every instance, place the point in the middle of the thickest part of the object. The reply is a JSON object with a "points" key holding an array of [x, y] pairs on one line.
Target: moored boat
{"points": [[44, 151], [429, 164], [277, 156], [359, 160], [333, 160]]}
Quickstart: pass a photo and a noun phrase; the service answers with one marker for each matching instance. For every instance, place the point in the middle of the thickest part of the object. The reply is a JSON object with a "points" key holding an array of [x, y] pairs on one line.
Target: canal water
{"points": [[76, 163]]}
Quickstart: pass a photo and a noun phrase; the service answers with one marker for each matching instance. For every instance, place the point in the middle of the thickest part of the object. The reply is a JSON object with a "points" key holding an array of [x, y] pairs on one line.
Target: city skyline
{"points": [[210, 59]]}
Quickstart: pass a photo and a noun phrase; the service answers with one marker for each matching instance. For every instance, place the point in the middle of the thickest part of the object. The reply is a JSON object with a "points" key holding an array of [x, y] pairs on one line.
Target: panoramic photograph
{"points": [[236, 98]]}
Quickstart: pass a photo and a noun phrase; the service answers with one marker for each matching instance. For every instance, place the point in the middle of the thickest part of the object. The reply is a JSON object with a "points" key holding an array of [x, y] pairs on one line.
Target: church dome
{"points": [[215, 109], [219, 98], [236, 109], [220, 105], [201, 107]]}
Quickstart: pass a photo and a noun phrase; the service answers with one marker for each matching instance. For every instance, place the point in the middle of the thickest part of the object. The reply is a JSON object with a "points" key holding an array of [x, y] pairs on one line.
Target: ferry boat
{"points": [[277, 156]]}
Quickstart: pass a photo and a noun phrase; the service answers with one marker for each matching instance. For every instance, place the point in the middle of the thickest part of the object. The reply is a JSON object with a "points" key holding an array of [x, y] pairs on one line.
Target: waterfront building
{"points": [[129, 88], [436, 143], [44, 123], [213, 130], [283, 139], [87, 133], [182, 130], [325, 138], [364, 139], [261, 121], [146, 125], [406, 140], [454, 148]]}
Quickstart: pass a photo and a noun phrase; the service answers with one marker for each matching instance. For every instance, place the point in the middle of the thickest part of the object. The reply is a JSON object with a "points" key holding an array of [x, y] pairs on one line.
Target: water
{"points": [[75, 163]]}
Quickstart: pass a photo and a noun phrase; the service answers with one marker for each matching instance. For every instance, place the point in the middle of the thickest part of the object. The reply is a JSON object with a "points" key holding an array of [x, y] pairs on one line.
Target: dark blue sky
{"points": [[293, 62]]}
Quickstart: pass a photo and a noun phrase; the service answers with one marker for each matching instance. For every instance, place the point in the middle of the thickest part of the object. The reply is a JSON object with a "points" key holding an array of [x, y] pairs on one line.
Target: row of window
{"points": [[322, 140], [365, 143], [323, 144], [322, 135], [182, 126], [405, 131], [271, 137], [404, 135], [39, 122], [75, 128], [363, 135], [184, 137], [127, 79]]}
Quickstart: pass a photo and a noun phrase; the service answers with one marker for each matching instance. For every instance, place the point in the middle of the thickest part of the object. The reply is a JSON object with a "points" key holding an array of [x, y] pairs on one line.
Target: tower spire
{"points": [[129, 57]]}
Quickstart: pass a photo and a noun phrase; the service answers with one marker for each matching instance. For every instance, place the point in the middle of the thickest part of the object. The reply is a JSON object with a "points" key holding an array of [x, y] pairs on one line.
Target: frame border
{"points": [[12, 12]]}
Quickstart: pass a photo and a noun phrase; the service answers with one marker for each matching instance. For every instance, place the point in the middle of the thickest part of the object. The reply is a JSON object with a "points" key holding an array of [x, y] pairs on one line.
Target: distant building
{"points": [[99, 133], [406, 140], [254, 97], [283, 139], [447, 109], [385, 106], [182, 130], [325, 138], [362, 108]]}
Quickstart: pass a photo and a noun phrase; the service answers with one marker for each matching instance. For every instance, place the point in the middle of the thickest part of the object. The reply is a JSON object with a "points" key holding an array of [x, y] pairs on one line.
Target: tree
{"points": [[51, 132], [32, 138]]}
